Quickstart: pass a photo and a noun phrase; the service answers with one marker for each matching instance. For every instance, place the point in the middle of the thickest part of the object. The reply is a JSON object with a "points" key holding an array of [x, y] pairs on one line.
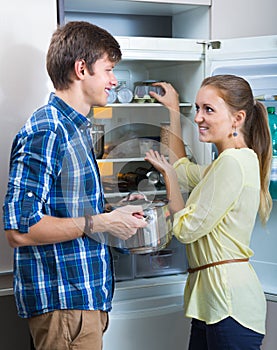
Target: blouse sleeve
{"points": [[210, 201], [189, 174]]}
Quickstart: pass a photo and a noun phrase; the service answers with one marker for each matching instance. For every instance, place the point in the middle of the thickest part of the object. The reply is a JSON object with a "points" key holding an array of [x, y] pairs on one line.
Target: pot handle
{"points": [[138, 193]]}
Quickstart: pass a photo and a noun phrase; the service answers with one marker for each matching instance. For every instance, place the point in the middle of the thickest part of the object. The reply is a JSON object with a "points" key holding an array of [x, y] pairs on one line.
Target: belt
{"points": [[203, 267]]}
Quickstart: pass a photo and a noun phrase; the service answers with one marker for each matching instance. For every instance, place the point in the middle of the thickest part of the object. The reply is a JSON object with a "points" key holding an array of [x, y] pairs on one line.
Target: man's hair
{"points": [[75, 41]]}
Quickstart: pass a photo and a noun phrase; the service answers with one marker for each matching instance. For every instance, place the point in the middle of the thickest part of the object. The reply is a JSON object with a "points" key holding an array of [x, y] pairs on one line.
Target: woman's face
{"points": [[215, 121]]}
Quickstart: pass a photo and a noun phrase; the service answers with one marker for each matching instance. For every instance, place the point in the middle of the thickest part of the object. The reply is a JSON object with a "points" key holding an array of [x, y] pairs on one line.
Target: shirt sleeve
{"points": [[189, 174], [33, 166], [210, 200]]}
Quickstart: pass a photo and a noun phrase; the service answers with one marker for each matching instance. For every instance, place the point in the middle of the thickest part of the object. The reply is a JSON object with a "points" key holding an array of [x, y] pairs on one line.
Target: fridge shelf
{"points": [[143, 105], [121, 160], [125, 194]]}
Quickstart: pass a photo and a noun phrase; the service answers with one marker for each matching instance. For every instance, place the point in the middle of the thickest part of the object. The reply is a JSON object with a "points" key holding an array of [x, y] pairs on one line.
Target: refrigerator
{"points": [[145, 304], [149, 292]]}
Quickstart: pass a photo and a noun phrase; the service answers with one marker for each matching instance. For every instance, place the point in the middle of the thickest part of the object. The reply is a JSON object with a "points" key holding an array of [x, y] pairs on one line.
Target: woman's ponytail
{"points": [[257, 137]]}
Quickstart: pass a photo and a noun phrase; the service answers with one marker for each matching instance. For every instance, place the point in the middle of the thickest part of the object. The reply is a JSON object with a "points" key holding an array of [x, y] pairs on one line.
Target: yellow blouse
{"points": [[216, 224]]}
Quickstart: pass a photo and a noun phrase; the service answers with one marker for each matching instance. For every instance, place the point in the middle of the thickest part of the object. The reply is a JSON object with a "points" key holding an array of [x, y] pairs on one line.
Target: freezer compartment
{"points": [[142, 18], [170, 260]]}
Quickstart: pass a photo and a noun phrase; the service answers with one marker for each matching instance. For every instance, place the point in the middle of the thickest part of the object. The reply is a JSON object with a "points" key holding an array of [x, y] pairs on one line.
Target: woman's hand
{"points": [[174, 195], [159, 162], [170, 98]]}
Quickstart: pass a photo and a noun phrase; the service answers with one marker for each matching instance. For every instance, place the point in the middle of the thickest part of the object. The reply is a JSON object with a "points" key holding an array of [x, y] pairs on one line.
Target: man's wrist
{"points": [[88, 230]]}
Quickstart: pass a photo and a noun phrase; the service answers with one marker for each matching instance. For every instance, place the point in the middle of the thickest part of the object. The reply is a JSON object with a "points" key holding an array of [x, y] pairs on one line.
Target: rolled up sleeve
{"points": [[30, 180]]}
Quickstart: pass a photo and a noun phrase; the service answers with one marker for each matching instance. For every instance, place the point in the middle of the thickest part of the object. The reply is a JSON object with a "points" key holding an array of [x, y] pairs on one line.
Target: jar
{"points": [[97, 133], [124, 95]]}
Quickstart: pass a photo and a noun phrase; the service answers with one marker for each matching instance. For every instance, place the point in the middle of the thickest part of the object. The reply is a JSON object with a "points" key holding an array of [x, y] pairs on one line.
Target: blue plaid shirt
{"points": [[54, 172]]}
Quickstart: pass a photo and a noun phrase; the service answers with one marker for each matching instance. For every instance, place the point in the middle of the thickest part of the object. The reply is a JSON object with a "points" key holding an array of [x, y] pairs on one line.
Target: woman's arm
{"points": [[174, 195], [170, 100]]}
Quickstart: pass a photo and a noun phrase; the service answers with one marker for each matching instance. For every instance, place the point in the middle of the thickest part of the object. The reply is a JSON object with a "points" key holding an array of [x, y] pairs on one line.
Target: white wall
{"points": [[242, 18], [25, 31]]}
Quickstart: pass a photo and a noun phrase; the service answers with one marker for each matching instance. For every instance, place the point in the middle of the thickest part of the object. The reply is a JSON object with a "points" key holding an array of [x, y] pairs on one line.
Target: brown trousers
{"points": [[69, 329]]}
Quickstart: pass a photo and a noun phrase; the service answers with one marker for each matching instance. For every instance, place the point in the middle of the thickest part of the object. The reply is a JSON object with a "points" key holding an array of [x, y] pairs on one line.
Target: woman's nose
{"points": [[198, 117]]}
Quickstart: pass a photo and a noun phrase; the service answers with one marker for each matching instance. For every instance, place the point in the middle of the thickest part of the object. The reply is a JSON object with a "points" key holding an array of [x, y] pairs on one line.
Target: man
{"points": [[63, 280]]}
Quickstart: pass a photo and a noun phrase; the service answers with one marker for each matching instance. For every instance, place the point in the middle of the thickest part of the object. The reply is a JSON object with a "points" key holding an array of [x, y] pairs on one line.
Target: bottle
{"points": [[272, 118]]}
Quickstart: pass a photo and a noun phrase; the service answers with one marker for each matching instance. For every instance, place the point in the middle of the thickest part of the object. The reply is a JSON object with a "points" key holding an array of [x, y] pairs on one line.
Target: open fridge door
{"points": [[254, 59]]}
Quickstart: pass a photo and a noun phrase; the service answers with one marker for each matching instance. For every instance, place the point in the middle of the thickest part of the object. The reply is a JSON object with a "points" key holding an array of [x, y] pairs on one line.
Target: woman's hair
{"points": [[237, 94], [76, 41]]}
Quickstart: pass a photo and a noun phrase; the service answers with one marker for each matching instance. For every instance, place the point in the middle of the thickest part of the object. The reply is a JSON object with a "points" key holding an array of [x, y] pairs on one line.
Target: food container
{"points": [[97, 133], [155, 236], [142, 89]]}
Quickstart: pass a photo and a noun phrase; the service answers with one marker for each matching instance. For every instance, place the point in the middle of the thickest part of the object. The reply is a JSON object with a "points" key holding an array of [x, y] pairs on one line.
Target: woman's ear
{"points": [[239, 118]]}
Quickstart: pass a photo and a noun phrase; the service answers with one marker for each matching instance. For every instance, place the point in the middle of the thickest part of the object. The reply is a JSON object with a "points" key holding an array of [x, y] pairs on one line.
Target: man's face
{"points": [[97, 86]]}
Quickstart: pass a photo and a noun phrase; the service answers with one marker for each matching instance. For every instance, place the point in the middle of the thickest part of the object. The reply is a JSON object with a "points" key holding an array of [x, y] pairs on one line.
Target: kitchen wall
{"points": [[236, 18], [25, 31]]}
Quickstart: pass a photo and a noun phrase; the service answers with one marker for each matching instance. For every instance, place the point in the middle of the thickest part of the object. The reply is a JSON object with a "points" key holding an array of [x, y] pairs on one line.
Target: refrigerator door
{"points": [[255, 59]]}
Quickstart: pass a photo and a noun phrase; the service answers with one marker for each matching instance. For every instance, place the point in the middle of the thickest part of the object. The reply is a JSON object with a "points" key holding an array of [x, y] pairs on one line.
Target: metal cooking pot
{"points": [[155, 236]]}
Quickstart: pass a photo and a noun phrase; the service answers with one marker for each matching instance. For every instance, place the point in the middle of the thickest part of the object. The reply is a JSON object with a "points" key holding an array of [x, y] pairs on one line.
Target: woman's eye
{"points": [[209, 109]]}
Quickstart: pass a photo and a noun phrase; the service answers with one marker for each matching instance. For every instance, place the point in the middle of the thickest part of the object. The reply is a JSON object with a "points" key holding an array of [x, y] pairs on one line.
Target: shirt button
{"points": [[30, 194]]}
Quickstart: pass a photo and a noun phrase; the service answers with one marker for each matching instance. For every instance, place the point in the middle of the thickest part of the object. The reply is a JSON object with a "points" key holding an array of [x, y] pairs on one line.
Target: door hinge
{"points": [[213, 44]]}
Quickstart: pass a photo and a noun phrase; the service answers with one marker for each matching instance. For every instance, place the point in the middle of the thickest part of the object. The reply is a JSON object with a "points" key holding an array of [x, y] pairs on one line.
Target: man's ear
{"points": [[80, 67]]}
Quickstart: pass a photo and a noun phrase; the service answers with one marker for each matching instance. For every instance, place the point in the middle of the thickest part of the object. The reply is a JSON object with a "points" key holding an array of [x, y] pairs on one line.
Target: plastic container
{"points": [[168, 261]]}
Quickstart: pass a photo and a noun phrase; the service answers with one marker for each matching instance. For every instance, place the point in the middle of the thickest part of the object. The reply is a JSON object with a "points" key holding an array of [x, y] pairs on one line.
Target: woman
{"points": [[223, 295]]}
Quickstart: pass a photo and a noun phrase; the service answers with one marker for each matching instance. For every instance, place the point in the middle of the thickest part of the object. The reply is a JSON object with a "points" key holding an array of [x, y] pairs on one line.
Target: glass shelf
{"points": [[120, 160], [124, 194], [145, 104]]}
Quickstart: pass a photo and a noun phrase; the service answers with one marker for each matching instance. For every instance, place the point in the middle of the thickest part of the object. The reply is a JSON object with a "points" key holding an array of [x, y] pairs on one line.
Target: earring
{"points": [[235, 134]]}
